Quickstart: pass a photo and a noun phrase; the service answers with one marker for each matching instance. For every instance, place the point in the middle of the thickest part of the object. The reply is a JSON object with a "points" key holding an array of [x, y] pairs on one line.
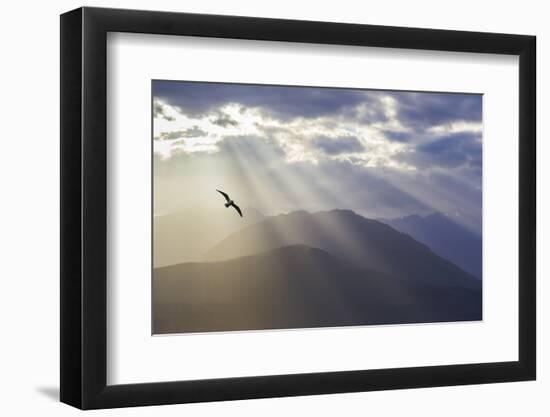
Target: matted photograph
{"points": [[294, 207], [356, 203]]}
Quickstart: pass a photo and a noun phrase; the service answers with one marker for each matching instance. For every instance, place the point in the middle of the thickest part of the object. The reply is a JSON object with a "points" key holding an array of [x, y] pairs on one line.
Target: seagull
{"points": [[230, 203]]}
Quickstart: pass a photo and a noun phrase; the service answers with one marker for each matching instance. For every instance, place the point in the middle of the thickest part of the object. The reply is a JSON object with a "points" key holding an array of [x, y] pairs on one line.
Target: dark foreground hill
{"points": [[445, 237], [297, 287], [362, 242]]}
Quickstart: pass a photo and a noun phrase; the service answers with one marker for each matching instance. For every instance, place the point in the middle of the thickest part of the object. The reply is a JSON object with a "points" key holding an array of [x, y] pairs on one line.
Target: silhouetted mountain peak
{"points": [[342, 212], [362, 242]]}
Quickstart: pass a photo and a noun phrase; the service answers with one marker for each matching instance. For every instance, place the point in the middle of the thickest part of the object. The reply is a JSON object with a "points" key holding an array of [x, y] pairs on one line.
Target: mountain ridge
{"points": [[296, 286], [446, 237], [364, 242]]}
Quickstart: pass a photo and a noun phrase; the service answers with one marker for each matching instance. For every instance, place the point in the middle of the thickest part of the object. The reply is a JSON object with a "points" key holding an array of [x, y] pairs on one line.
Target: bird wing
{"points": [[236, 207], [225, 195]]}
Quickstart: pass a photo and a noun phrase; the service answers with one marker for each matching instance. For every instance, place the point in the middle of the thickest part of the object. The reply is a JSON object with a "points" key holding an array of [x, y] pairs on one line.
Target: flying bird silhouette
{"points": [[230, 203]]}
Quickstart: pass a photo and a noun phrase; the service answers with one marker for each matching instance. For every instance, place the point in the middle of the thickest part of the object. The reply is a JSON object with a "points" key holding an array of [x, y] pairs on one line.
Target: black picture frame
{"points": [[84, 207]]}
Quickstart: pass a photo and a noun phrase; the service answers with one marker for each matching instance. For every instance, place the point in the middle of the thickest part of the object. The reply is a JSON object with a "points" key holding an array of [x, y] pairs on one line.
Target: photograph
{"points": [[295, 207], [280, 204]]}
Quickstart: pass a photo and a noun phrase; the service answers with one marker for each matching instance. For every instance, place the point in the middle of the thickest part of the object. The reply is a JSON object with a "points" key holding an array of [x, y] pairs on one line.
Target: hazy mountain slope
{"points": [[363, 242], [296, 287], [185, 235], [446, 238]]}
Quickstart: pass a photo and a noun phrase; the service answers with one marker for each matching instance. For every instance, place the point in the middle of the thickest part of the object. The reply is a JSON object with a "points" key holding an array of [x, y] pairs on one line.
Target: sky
{"points": [[382, 154]]}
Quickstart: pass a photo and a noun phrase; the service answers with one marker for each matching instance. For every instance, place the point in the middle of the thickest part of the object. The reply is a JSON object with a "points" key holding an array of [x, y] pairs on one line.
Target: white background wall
{"points": [[29, 237]]}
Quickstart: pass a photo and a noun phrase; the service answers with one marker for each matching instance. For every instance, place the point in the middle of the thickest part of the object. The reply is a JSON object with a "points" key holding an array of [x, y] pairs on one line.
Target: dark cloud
{"points": [[416, 110], [397, 136], [224, 120], [451, 151], [158, 112], [338, 145], [457, 153], [192, 132], [285, 102], [423, 110]]}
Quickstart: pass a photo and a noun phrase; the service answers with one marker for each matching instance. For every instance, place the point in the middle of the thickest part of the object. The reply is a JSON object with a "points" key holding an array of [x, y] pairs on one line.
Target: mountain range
{"points": [[297, 270], [360, 241], [446, 237], [295, 287]]}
